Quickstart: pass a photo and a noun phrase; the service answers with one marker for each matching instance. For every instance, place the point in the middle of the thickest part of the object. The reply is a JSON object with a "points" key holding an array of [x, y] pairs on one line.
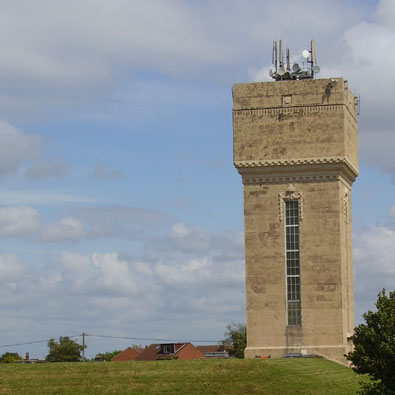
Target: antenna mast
{"points": [[286, 72]]}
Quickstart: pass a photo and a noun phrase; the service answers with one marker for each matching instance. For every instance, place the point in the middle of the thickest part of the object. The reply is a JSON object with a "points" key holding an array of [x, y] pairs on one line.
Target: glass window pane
{"points": [[293, 262]]}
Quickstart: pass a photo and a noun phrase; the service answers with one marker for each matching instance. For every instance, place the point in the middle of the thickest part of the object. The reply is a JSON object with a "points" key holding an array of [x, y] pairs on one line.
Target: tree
{"points": [[236, 335], [66, 350], [374, 347], [9, 357]]}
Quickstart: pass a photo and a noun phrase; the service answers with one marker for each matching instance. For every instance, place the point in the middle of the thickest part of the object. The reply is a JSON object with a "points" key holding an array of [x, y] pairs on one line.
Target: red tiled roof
{"points": [[189, 351], [129, 354], [182, 351]]}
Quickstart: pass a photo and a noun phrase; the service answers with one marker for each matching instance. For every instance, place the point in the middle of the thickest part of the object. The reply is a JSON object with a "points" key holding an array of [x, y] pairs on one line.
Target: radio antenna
{"points": [[281, 54], [295, 72], [274, 54]]}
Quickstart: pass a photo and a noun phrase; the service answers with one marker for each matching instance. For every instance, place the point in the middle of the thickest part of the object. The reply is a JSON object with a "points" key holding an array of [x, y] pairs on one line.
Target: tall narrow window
{"points": [[293, 262]]}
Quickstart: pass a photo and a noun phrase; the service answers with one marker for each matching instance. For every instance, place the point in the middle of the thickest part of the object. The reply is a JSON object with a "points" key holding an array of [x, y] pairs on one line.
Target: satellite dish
{"points": [[295, 67], [281, 71], [271, 73], [305, 54], [316, 69]]}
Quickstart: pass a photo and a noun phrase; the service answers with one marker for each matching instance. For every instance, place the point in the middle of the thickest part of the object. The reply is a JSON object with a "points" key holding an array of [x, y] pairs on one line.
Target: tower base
{"points": [[332, 353]]}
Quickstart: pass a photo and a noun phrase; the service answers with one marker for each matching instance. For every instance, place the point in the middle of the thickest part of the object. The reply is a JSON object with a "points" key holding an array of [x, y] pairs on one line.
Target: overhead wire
{"points": [[114, 337], [35, 342], [152, 339]]}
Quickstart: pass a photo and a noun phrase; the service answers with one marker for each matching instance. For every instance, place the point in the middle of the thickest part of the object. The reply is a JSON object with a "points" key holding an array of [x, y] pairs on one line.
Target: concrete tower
{"points": [[296, 148]]}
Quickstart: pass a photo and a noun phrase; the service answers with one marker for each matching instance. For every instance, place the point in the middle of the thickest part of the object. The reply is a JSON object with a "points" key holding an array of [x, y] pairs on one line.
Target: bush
{"points": [[374, 347], [236, 335], [9, 357]]}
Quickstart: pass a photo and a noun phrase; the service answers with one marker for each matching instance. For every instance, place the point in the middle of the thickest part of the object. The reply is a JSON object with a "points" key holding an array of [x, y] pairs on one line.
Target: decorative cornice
{"points": [[258, 180], [292, 170], [300, 110], [274, 111], [290, 194], [292, 162]]}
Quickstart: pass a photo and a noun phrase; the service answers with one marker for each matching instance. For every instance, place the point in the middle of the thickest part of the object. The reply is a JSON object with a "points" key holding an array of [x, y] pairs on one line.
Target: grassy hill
{"points": [[281, 376]]}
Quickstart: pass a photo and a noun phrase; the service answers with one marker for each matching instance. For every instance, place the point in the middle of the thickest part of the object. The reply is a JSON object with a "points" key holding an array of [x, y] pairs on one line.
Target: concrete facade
{"points": [[297, 141]]}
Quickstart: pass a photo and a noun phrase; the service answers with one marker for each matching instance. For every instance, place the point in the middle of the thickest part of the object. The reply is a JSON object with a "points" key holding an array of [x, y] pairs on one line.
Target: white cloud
{"points": [[16, 147], [115, 275], [76, 50], [192, 255], [80, 223], [375, 251], [18, 221], [186, 273], [374, 267], [76, 264], [105, 275], [41, 197], [11, 269], [367, 60], [377, 148], [160, 291], [385, 13], [121, 221], [66, 229], [179, 230]]}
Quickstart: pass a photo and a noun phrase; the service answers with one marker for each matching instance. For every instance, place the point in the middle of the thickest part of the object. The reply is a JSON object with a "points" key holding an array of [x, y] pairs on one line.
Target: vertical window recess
{"points": [[292, 251]]}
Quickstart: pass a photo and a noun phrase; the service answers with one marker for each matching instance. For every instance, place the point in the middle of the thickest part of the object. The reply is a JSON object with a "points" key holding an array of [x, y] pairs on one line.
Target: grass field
{"points": [[281, 376]]}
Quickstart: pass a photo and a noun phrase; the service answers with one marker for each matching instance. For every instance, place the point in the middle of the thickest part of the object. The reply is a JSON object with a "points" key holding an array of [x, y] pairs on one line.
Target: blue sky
{"points": [[120, 210]]}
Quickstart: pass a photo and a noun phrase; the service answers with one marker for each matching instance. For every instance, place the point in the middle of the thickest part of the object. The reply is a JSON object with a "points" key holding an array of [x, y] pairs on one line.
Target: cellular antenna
{"points": [[281, 54], [313, 52], [306, 69], [274, 54]]}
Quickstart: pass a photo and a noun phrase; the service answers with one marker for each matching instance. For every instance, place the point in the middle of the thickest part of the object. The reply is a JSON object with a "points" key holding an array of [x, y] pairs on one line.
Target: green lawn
{"points": [[277, 376]]}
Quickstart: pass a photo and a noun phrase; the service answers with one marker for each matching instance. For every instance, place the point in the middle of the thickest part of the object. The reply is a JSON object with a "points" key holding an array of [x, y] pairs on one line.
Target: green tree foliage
{"points": [[374, 347], [236, 335], [66, 350], [9, 357]]}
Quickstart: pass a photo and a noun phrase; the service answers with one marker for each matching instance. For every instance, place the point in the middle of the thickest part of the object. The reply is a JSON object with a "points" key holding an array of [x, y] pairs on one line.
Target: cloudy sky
{"points": [[120, 211]]}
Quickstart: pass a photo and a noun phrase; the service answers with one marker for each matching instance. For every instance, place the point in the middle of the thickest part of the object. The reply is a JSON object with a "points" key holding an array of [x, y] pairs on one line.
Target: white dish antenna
{"points": [[306, 54], [296, 67]]}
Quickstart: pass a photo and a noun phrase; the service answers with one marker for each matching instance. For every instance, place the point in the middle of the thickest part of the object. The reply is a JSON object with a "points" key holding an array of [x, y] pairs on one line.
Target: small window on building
{"points": [[167, 348]]}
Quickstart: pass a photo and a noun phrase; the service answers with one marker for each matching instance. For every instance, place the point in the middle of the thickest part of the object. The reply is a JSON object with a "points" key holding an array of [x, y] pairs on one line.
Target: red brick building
{"points": [[130, 354], [181, 351]]}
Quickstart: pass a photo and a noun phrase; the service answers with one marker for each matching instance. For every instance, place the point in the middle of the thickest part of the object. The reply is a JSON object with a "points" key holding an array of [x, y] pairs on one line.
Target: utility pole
{"points": [[83, 347]]}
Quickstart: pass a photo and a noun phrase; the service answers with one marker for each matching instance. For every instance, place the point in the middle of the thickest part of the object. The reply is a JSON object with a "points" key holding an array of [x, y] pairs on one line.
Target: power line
{"points": [[33, 342], [116, 337], [152, 339], [22, 344]]}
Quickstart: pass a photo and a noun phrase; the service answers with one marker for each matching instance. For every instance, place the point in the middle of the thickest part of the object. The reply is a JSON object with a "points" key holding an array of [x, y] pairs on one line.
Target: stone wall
{"points": [[297, 140]]}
